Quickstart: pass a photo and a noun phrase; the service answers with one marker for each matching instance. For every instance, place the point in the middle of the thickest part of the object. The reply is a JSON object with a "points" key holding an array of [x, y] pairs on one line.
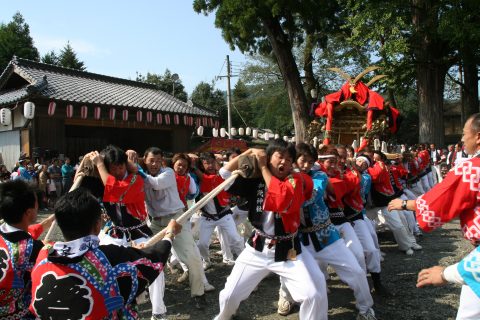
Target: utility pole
{"points": [[229, 95], [229, 98]]}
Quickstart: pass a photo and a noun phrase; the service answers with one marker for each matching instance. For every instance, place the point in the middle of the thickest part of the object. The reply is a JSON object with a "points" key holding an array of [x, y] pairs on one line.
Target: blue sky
{"points": [[120, 38]]}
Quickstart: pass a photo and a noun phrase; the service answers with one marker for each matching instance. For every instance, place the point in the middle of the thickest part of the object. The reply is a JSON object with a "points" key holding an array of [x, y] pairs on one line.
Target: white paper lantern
{"points": [[266, 136], [200, 131], [29, 110], [241, 131], [233, 131], [248, 131], [293, 139], [5, 116], [255, 133], [285, 138], [355, 145], [315, 141], [277, 136], [376, 144], [384, 147], [214, 132], [223, 132]]}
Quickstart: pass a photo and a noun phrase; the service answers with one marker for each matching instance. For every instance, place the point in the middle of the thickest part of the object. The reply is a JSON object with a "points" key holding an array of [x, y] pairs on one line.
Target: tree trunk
{"points": [[470, 71], [431, 68], [286, 62], [308, 66]]}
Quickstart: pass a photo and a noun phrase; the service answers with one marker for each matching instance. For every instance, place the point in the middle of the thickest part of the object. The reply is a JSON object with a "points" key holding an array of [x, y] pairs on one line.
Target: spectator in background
{"points": [[22, 169], [55, 175], [460, 155], [67, 175], [42, 186], [4, 173], [450, 156]]}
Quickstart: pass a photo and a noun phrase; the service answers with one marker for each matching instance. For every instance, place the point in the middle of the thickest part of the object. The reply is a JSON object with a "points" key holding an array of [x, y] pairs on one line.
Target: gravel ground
{"points": [[399, 272]]}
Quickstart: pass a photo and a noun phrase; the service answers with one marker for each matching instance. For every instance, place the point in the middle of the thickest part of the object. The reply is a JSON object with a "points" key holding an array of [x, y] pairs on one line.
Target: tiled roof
{"points": [[74, 86]]}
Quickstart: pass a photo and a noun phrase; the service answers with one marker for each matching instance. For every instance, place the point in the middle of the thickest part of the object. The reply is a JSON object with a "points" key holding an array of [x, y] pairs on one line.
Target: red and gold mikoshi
{"points": [[357, 94]]}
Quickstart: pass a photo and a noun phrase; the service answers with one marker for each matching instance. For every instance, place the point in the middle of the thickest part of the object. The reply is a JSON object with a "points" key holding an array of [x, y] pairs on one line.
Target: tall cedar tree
{"points": [[15, 40]]}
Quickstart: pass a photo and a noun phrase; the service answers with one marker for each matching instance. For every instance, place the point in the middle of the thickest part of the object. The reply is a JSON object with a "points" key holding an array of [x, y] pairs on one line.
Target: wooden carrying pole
{"points": [[197, 206]]}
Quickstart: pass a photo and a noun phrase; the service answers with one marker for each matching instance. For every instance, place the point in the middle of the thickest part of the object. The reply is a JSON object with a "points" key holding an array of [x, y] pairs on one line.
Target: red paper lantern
{"points": [[185, 120], [149, 116], [97, 113], [139, 116], [51, 108], [159, 118], [125, 115], [167, 119], [111, 114], [83, 112], [69, 110], [176, 119]]}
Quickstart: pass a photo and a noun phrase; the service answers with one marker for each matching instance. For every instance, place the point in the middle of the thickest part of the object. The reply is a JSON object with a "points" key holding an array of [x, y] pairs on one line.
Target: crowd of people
{"points": [[293, 210], [52, 177]]}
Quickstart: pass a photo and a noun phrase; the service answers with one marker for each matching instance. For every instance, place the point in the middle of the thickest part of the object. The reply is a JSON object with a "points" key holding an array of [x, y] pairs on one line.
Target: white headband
{"points": [[364, 159], [326, 156]]}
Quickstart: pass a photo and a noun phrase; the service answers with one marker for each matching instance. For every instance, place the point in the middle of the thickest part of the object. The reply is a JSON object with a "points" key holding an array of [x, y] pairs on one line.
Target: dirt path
{"points": [[399, 272]]}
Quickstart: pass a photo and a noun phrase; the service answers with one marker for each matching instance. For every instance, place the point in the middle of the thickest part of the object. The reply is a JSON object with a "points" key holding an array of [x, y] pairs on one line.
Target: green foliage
{"points": [[68, 59], [210, 98], [50, 58], [261, 98], [166, 83], [15, 40]]}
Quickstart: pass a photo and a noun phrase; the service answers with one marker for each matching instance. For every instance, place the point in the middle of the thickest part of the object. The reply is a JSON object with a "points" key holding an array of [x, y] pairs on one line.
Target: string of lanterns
{"points": [[222, 132], [166, 118]]}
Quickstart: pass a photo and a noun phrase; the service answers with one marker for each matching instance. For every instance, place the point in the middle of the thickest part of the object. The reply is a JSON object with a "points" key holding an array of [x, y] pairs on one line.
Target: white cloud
{"points": [[47, 43]]}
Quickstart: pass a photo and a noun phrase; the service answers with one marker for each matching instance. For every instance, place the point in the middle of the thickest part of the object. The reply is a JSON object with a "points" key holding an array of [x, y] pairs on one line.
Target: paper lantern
{"points": [[111, 114], [315, 141], [277, 136], [211, 122], [5, 116], [149, 116], [198, 122], [223, 132], [51, 108], [217, 124], [248, 131], [205, 121], [167, 119], [200, 131], [233, 131], [159, 118], [69, 111], [214, 132], [83, 112], [376, 144], [266, 136], [285, 138], [125, 115], [29, 110], [139, 116], [255, 133], [355, 144], [384, 147], [97, 113], [185, 120], [241, 131], [176, 119]]}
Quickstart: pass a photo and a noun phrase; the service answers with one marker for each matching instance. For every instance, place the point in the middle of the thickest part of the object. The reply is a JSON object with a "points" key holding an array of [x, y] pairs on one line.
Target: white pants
{"points": [[302, 278], [469, 308], [417, 189], [348, 270], [353, 243], [239, 216], [397, 223], [225, 225], [410, 195], [431, 179], [438, 172], [410, 216], [425, 183], [370, 248]]}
